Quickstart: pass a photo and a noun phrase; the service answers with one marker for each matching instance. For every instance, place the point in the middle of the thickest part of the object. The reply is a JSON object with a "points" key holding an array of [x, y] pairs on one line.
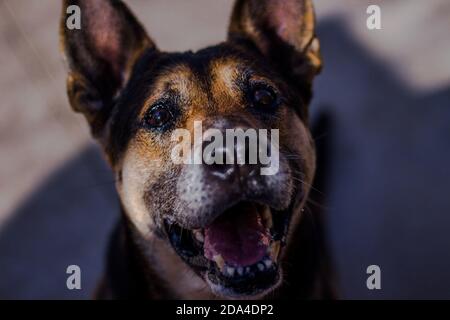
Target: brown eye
{"points": [[264, 98], [158, 117]]}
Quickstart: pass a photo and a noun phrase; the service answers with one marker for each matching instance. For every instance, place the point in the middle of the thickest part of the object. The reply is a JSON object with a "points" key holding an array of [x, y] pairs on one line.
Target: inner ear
{"points": [[106, 36], [292, 21], [261, 21], [113, 35], [101, 55], [284, 32]]}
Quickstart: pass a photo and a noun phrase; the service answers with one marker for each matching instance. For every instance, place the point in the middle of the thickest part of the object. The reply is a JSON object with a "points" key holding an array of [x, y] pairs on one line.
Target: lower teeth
{"points": [[219, 262], [230, 271], [199, 236]]}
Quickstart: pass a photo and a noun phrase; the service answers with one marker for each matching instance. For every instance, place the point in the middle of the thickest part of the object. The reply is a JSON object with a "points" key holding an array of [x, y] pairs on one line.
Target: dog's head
{"points": [[228, 221]]}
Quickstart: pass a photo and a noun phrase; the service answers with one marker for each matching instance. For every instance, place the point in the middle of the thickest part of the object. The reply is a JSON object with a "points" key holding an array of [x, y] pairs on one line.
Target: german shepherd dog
{"points": [[204, 231]]}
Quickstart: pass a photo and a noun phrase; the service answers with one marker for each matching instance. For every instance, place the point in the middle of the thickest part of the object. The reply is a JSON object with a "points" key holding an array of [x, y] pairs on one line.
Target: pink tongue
{"points": [[239, 237]]}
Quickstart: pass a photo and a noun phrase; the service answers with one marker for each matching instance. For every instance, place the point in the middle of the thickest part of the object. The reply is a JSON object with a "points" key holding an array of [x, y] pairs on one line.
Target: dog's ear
{"points": [[100, 55], [284, 32]]}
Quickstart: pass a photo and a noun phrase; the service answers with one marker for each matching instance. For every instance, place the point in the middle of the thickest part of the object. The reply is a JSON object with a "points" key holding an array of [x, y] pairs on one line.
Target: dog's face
{"points": [[227, 222]]}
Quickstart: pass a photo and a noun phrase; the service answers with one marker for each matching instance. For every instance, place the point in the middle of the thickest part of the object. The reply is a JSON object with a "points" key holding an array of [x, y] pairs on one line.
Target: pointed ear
{"points": [[284, 32], [100, 55]]}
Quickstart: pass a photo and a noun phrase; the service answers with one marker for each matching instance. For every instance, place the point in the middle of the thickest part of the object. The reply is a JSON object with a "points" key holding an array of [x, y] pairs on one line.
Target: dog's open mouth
{"points": [[238, 252]]}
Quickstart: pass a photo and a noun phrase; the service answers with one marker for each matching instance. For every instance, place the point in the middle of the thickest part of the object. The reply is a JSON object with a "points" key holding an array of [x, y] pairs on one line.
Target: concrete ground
{"points": [[386, 91]]}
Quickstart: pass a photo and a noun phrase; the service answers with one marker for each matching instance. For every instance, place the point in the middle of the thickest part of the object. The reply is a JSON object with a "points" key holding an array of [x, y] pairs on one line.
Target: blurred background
{"points": [[386, 92]]}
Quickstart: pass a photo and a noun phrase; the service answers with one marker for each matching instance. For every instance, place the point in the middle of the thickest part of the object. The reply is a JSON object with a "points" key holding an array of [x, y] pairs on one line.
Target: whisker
{"points": [[308, 185], [315, 203]]}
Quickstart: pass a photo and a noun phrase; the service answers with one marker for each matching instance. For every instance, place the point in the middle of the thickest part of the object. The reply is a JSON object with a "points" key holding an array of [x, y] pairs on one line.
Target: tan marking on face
{"points": [[193, 98], [141, 165], [226, 74], [179, 79], [225, 92]]}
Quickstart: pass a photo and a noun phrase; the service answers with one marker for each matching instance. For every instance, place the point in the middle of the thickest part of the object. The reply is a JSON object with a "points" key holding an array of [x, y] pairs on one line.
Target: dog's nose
{"points": [[234, 164], [223, 168]]}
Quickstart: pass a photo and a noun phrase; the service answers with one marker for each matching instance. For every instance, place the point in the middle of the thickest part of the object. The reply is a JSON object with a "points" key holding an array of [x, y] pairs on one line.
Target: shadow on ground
{"points": [[66, 221], [388, 191], [390, 178]]}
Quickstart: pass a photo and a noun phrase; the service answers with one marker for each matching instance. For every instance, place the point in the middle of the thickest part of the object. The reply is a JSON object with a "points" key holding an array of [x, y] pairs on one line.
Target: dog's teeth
{"points": [[267, 217], [260, 267], [268, 263], [315, 45], [240, 271], [199, 236], [230, 271], [219, 261], [274, 250]]}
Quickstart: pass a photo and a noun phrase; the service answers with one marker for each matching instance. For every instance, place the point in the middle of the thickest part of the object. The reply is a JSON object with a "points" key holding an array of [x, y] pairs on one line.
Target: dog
{"points": [[204, 231]]}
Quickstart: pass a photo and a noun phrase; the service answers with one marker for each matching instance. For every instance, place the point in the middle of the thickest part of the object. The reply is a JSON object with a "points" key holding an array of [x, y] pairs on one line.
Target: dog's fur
{"points": [[117, 75]]}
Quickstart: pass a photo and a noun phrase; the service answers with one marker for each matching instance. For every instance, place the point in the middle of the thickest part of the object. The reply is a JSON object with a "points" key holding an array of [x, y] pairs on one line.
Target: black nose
{"points": [[223, 167], [232, 163]]}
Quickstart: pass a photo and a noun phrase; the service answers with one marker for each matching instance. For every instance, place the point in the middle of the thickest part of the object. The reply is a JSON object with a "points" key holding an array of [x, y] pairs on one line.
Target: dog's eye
{"points": [[158, 117], [264, 98]]}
